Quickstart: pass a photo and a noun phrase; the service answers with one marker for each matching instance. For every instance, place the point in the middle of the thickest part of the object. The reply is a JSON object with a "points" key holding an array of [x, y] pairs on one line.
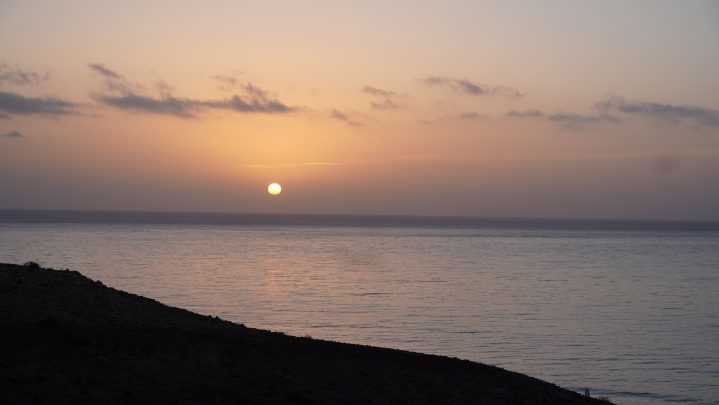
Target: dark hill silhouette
{"points": [[67, 339]]}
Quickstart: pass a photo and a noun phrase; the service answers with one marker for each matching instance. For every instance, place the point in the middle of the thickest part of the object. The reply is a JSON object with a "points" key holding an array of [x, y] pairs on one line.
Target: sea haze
{"points": [[627, 308]]}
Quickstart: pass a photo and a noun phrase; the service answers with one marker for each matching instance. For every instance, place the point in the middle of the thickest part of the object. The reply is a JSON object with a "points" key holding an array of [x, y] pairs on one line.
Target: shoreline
{"points": [[69, 338]]}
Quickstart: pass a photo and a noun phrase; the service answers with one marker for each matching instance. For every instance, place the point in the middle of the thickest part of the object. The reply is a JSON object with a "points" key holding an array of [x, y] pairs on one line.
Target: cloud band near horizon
{"points": [[13, 103], [119, 93], [465, 86]]}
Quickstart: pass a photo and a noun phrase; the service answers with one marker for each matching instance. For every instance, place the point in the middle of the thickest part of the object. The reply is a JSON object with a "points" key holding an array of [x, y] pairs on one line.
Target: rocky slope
{"points": [[66, 338]]}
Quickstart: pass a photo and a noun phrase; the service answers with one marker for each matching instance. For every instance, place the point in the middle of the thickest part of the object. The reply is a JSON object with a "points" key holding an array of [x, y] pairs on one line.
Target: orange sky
{"points": [[551, 109]]}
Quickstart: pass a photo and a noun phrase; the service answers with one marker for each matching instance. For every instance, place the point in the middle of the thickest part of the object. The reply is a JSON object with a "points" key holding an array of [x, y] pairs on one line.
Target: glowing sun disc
{"points": [[274, 189]]}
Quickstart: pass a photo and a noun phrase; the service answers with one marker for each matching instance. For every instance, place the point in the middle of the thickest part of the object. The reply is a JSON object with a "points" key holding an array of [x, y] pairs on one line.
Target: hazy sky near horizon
{"points": [[601, 109]]}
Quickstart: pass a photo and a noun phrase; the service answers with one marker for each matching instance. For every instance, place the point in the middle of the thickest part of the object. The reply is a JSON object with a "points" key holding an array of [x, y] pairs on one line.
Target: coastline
{"points": [[68, 338]]}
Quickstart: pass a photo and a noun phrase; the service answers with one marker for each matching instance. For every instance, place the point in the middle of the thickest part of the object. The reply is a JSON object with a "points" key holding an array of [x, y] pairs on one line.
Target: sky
{"points": [[565, 109]]}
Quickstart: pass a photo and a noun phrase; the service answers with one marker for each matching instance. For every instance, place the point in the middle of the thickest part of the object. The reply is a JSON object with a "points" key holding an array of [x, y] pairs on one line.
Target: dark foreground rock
{"points": [[67, 339]]}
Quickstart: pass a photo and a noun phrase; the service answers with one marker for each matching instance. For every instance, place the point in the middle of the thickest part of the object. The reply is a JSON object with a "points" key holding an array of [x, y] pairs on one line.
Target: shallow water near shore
{"points": [[628, 309]]}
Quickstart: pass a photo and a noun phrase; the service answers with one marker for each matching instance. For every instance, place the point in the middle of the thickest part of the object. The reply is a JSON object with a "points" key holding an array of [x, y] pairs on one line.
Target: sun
{"points": [[274, 189]]}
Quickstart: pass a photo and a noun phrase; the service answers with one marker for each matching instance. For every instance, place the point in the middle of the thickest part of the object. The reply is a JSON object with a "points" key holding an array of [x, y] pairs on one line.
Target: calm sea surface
{"points": [[628, 309]]}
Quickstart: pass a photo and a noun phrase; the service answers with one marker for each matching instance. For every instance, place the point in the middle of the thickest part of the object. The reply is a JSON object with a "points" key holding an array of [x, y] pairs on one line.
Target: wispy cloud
{"points": [[301, 164], [13, 75], [467, 116], [184, 108], [466, 86], [402, 158], [374, 91], [389, 100], [101, 69], [227, 82], [340, 116], [113, 81], [385, 104], [612, 109], [525, 114], [13, 134], [13, 103], [567, 120], [121, 94], [251, 102], [686, 114], [471, 116]]}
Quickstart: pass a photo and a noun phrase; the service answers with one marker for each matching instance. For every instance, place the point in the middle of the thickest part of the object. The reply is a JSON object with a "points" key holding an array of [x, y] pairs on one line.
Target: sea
{"points": [[626, 309]]}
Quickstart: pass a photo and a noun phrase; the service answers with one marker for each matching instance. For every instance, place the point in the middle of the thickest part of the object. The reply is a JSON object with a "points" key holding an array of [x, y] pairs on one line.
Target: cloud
{"points": [[13, 134], [525, 114], [299, 164], [688, 114], [227, 83], [567, 120], [471, 116], [189, 108], [120, 94], [101, 69], [163, 88], [385, 104], [466, 86], [12, 75], [254, 101], [13, 103], [184, 108], [464, 116], [338, 115], [389, 99], [113, 81], [374, 91]]}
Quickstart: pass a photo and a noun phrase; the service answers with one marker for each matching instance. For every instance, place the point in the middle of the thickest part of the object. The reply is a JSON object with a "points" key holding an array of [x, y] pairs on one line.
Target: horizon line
{"points": [[360, 215]]}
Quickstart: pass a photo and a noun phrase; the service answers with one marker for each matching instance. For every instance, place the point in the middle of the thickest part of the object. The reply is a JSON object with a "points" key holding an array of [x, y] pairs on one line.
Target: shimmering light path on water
{"points": [[629, 311]]}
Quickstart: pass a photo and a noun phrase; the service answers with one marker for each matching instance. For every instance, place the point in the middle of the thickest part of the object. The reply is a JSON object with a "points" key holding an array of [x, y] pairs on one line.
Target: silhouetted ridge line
{"points": [[66, 338]]}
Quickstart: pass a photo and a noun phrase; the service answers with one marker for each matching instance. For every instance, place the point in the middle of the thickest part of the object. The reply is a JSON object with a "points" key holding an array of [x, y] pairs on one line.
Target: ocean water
{"points": [[627, 309]]}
